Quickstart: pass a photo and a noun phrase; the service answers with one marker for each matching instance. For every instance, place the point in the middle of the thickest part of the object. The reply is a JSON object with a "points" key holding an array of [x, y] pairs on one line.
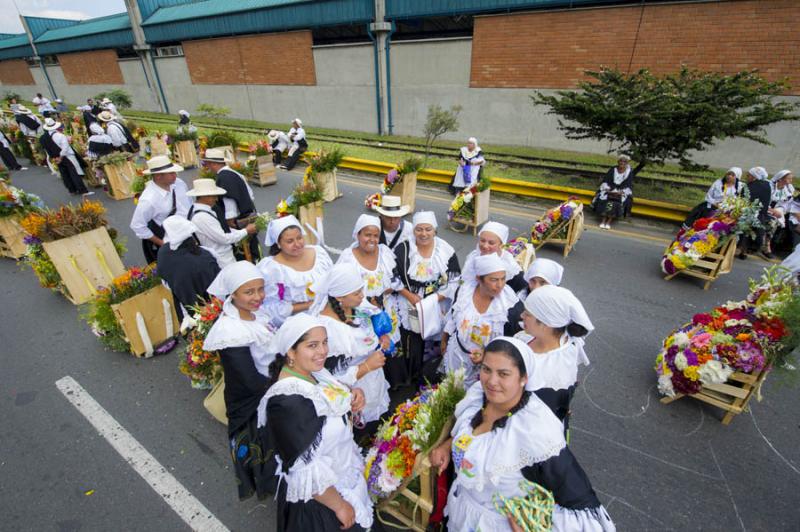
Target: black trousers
{"points": [[291, 161], [8, 159], [150, 250], [277, 156], [72, 179]]}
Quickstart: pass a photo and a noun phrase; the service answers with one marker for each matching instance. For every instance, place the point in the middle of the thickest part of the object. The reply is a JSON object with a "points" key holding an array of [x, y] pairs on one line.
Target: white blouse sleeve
{"points": [[305, 480], [278, 309]]}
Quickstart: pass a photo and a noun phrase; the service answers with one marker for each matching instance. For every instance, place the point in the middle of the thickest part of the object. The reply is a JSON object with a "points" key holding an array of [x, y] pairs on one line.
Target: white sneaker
{"points": [[90, 193], [23, 167], [603, 226]]}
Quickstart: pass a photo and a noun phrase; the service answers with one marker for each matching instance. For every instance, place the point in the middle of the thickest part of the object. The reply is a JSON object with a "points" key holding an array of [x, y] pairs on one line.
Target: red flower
{"points": [[702, 319], [702, 224]]}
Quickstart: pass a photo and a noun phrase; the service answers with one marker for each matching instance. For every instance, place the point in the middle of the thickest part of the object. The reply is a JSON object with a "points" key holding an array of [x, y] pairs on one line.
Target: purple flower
{"points": [[391, 177], [31, 240]]}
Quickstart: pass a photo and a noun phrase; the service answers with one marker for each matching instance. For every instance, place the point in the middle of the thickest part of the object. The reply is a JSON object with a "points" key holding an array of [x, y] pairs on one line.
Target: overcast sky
{"points": [[72, 9]]}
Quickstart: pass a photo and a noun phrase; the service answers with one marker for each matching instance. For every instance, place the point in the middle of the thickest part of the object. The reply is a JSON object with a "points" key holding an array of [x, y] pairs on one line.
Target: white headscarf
{"points": [[557, 307], [759, 172], [292, 330], [232, 276], [527, 357], [340, 281], [736, 171], [176, 230], [425, 217], [778, 176], [496, 228], [547, 269], [96, 129], [486, 264], [365, 220], [278, 226]]}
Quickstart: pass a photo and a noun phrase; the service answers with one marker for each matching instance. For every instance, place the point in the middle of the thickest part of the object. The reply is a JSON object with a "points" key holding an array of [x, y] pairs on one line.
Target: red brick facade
{"points": [[15, 72], [98, 67], [269, 59], [552, 49]]}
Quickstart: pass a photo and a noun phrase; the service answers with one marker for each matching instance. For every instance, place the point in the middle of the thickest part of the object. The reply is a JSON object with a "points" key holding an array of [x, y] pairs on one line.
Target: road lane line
{"points": [[188, 508]]}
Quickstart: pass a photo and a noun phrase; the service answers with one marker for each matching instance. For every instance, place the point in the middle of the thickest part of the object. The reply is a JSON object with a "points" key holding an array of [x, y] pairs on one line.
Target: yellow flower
{"points": [[691, 372]]}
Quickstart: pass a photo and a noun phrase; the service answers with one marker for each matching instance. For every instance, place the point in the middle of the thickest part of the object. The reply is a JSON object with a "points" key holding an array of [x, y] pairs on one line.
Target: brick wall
{"points": [[552, 49], [98, 67], [15, 72], [269, 59]]}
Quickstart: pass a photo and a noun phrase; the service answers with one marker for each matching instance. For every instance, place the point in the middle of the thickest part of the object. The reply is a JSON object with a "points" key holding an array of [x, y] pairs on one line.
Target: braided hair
{"points": [[337, 308], [508, 349]]}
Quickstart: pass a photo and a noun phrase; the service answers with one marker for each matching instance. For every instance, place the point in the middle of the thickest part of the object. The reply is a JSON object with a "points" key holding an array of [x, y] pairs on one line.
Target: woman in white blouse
{"points": [[728, 186], [291, 269]]}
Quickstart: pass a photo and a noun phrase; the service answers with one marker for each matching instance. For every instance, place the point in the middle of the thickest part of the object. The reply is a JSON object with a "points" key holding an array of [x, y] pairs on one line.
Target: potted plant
{"points": [[135, 313], [402, 181], [15, 204], [322, 166], [184, 147], [306, 204], [72, 250], [261, 162]]}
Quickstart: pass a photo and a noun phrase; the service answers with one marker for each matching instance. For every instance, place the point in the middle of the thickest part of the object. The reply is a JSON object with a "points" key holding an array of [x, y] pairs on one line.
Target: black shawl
{"points": [[49, 145], [294, 428], [236, 190], [403, 260], [28, 121], [565, 477], [244, 386], [188, 270], [761, 190]]}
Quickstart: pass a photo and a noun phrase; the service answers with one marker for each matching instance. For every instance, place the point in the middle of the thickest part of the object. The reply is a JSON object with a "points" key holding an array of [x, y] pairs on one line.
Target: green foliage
{"points": [[212, 111], [16, 201], [113, 158], [119, 97], [23, 146], [452, 391], [656, 119], [178, 135], [304, 194], [409, 166], [439, 122], [11, 95], [223, 138], [326, 160]]}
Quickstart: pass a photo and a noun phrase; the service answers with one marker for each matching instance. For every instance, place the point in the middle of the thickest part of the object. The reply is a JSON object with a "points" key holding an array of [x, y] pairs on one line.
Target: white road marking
{"points": [[188, 508]]}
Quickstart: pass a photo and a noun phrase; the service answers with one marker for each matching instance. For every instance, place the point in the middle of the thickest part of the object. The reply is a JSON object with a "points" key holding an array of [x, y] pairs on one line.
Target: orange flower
{"points": [[742, 337]]}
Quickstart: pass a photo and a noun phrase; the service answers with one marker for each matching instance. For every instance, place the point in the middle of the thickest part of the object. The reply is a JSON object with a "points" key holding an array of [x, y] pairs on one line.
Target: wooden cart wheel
{"points": [[459, 227]]}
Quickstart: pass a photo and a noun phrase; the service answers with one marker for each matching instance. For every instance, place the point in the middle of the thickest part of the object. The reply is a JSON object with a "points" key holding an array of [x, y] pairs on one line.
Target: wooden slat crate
{"points": [[265, 172], [151, 307], [85, 262], [11, 238], [119, 178], [479, 216], [186, 154], [574, 228], [711, 266], [328, 185], [311, 215]]}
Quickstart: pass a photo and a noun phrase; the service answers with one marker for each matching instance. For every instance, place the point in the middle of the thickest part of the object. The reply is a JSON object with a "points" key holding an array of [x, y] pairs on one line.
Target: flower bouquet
{"points": [[133, 313], [734, 217], [414, 429], [373, 201], [72, 250], [463, 206], [260, 163], [402, 181], [15, 204], [522, 250], [245, 169], [553, 223], [749, 336], [322, 170], [202, 367], [306, 204]]}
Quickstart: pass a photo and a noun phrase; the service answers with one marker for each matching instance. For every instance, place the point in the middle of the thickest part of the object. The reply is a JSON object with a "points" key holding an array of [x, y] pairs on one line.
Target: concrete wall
{"points": [[344, 96], [438, 72]]}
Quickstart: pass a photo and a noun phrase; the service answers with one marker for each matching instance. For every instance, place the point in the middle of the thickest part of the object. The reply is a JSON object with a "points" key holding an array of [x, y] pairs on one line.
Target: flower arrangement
{"points": [[207, 173], [243, 168], [414, 428], [260, 148], [222, 138], [373, 201], [305, 193], [735, 216], [16, 202], [99, 314], [262, 221], [202, 367], [179, 135], [554, 220], [462, 206], [49, 225], [139, 183], [395, 175], [148, 143], [752, 335], [114, 158], [25, 149]]}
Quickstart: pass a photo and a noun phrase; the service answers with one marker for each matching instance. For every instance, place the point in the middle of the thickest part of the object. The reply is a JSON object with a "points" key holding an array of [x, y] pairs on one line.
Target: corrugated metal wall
{"points": [[420, 8], [98, 41]]}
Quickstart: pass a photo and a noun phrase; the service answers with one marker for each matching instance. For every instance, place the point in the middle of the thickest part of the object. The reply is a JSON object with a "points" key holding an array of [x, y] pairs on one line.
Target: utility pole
{"points": [[39, 60], [382, 33], [145, 53]]}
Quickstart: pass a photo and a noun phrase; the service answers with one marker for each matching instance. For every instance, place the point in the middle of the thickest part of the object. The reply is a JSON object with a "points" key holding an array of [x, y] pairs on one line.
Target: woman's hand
{"points": [[441, 297], [514, 525], [346, 515], [411, 297], [358, 400], [385, 341], [440, 456], [376, 360]]}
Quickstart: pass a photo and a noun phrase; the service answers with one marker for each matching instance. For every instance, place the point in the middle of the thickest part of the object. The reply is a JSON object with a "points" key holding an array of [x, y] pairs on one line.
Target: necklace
{"points": [[298, 375]]}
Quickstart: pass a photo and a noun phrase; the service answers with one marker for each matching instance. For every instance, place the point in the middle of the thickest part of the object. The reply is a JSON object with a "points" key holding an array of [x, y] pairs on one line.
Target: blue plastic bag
{"points": [[382, 324]]}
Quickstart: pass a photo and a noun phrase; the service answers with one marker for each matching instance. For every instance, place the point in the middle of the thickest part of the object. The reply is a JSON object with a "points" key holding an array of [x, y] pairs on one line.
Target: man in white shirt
{"points": [[62, 155], [297, 136], [164, 196], [394, 229], [214, 234], [109, 106], [121, 138], [279, 142], [43, 104]]}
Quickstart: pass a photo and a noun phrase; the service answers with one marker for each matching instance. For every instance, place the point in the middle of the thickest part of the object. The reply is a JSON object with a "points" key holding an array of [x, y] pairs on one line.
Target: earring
{"points": [[290, 362]]}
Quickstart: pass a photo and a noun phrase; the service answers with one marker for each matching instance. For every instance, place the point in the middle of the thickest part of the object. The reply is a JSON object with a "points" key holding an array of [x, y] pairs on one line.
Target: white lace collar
{"points": [[531, 435], [231, 331], [386, 258], [498, 308], [440, 257], [330, 397], [466, 154], [620, 178]]}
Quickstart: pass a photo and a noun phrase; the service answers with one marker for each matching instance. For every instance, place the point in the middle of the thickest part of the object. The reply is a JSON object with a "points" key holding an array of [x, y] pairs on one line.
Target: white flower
{"points": [[680, 339], [468, 197], [386, 480], [680, 361], [714, 372], [665, 386]]}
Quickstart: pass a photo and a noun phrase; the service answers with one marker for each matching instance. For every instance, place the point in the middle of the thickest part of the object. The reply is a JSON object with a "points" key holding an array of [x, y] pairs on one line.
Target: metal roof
{"points": [[56, 36], [15, 47], [399, 9], [212, 18]]}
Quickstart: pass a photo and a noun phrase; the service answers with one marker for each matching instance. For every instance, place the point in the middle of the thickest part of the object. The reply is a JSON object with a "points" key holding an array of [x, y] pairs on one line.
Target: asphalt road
{"points": [[655, 467]]}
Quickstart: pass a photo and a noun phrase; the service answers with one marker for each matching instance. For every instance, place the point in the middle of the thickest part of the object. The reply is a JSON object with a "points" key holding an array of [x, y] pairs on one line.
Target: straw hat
{"points": [[298, 122], [51, 125], [105, 100], [105, 116], [24, 110], [393, 207], [206, 187], [215, 155], [272, 134], [161, 164]]}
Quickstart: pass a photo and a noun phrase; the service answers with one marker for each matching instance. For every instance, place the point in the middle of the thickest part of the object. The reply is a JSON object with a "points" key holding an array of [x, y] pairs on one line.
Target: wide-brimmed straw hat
{"points": [[24, 110], [215, 155], [206, 187], [393, 207], [162, 164], [105, 116], [272, 134], [51, 125]]}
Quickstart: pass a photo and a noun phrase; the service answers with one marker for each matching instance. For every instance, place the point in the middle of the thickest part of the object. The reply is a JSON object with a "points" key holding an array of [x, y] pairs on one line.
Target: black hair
{"points": [[276, 365], [336, 306], [510, 350], [274, 249], [573, 329]]}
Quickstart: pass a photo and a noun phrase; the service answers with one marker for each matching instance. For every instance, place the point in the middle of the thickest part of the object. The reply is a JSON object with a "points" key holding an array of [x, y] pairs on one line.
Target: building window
{"points": [[173, 50], [126, 53], [32, 61], [50, 60]]}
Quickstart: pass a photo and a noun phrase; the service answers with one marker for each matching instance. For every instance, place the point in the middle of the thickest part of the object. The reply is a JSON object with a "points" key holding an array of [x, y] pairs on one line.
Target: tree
{"points": [[119, 97], [656, 119], [213, 112], [439, 122]]}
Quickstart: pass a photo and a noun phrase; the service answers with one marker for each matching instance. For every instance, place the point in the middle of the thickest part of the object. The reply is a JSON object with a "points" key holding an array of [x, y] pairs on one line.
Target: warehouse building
{"points": [[376, 65]]}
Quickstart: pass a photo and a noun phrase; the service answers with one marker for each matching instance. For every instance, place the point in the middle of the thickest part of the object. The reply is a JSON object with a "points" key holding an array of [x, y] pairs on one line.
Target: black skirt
{"points": [[307, 516], [253, 462]]}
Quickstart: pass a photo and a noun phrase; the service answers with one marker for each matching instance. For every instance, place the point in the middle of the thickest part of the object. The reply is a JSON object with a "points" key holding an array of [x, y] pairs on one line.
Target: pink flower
{"points": [[701, 340], [281, 291]]}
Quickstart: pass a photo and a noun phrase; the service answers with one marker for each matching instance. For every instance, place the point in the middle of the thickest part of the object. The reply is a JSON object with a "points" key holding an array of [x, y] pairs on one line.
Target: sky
{"points": [[71, 9]]}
